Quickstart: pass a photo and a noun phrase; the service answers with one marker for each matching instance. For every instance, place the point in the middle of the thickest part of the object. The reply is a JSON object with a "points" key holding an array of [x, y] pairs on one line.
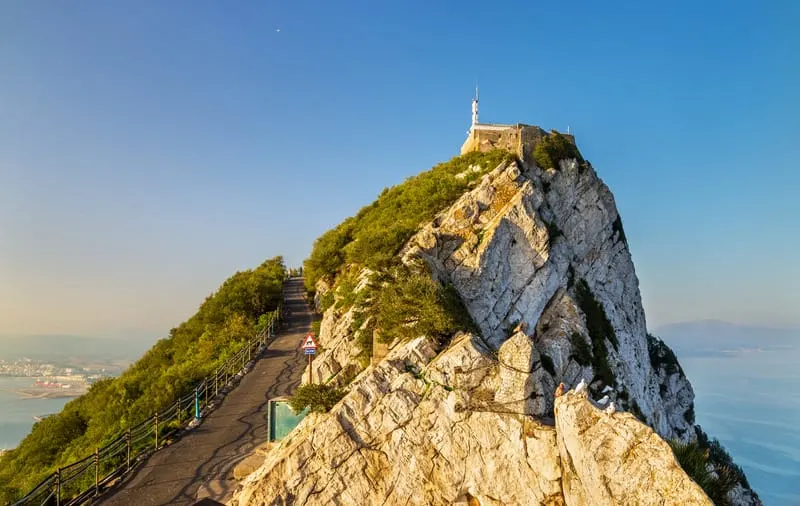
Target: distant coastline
{"points": [[31, 393]]}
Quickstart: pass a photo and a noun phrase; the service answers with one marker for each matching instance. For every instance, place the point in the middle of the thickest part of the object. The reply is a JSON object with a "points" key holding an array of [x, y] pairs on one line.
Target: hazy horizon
{"points": [[147, 154]]}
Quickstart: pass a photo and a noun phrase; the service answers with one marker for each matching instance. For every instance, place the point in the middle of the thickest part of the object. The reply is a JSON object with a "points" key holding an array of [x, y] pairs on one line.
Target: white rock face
{"points": [[422, 428], [477, 422], [615, 459], [525, 239], [412, 432]]}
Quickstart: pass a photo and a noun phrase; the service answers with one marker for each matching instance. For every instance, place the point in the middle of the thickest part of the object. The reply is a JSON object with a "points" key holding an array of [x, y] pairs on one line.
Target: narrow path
{"points": [[200, 465]]}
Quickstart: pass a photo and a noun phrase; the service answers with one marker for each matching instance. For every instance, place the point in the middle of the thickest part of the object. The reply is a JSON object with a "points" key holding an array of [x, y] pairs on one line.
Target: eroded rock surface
{"points": [[540, 260]]}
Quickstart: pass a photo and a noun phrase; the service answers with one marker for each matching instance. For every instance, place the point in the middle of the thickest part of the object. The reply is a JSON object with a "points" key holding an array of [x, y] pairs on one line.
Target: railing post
{"points": [[156, 430], [178, 409], [205, 390], [96, 471], [196, 404], [216, 383], [58, 487], [128, 445]]}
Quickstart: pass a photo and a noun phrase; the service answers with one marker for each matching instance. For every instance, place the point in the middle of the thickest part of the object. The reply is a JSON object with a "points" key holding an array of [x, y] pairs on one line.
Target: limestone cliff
{"points": [[539, 258]]}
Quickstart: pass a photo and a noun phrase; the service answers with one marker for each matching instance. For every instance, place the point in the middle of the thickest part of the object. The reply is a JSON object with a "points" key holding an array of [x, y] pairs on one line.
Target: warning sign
{"points": [[309, 343]]}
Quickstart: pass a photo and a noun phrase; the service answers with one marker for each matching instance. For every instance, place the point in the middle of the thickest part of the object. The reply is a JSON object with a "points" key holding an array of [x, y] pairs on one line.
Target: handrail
{"points": [[85, 479]]}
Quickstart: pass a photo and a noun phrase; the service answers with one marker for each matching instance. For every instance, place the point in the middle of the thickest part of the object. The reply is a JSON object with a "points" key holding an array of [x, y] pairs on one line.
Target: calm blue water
{"points": [[751, 402], [16, 415]]}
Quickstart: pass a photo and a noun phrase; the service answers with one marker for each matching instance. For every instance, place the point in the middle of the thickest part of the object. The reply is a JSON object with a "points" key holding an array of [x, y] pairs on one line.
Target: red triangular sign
{"points": [[309, 342]]}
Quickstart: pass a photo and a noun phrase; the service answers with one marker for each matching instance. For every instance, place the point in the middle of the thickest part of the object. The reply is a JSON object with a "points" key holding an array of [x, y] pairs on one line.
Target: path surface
{"points": [[200, 465]]}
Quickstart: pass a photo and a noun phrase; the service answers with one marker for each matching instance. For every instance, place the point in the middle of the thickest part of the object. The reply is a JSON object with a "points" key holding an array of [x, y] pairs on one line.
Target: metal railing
{"points": [[84, 480]]}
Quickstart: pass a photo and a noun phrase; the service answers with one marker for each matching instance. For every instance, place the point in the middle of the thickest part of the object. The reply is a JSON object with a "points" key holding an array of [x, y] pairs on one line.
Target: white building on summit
{"points": [[517, 138]]}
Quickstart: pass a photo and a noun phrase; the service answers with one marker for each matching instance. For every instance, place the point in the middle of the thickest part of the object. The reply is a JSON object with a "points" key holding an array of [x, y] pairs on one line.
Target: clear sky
{"points": [[150, 149]]}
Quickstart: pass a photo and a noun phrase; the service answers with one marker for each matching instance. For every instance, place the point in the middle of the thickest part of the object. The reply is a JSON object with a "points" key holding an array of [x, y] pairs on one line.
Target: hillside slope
{"points": [[452, 346]]}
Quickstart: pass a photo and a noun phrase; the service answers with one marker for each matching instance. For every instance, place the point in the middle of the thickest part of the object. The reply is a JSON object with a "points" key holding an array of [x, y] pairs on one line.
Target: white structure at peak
{"points": [[475, 108]]}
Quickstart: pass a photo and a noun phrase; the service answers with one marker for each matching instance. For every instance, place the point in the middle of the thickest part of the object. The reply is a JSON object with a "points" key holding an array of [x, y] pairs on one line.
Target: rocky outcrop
{"points": [[541, 263], [612, 458], [422, 428], [547, 249]]}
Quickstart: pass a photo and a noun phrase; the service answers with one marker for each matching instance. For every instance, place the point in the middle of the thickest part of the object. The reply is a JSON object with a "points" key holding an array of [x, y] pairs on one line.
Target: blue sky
{"points": [[150, 149]]}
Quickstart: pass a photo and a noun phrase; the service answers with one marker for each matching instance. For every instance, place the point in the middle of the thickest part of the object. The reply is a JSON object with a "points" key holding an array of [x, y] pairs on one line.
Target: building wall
{"points": [[518, 138]]}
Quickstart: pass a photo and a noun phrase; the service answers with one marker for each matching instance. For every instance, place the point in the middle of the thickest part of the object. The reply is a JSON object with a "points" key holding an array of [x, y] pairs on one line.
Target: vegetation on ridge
{"points": [[600, 330], [374, 236], [225, 321], [317, 398], [715, 480], [553, 148]]}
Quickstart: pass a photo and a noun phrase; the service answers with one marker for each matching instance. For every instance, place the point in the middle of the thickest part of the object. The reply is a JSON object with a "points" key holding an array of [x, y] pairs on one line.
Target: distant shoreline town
{"points": [[50, 380]]}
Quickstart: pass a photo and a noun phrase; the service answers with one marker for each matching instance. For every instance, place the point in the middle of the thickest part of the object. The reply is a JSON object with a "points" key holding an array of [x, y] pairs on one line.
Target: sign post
{"points": [[309, 348]]}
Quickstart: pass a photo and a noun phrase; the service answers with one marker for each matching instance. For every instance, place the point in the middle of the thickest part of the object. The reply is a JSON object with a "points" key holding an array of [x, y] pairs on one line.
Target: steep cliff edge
{"points": [[537, 259]]}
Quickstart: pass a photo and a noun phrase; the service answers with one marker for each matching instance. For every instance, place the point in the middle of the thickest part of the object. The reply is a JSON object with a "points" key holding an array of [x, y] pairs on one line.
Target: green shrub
{"points": [[719, 456], [581, 352], [617, 228], [693, 458], [412, 304], [553, 148], [552, 230], [318, 398], [373, 237], [327, 300], [600, 331], [688, 415], [661, 356], [315, 327]]}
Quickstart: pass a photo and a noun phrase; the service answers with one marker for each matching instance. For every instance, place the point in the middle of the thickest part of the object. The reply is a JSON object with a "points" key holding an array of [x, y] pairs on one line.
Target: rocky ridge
{"points": [[540, 260]]}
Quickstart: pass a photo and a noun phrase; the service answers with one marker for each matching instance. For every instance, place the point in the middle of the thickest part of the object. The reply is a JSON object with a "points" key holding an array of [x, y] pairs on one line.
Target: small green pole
{"points": [[196, 404]]}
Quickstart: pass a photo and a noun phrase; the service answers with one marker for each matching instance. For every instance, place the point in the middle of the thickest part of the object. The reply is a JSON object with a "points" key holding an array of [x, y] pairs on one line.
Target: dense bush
{"points": [[317, 398], [553, 148], [412, 304], [600, 331], [373, 237], [694, 460], [661, 356], [719, 456], [225, 321], [581, 352]]}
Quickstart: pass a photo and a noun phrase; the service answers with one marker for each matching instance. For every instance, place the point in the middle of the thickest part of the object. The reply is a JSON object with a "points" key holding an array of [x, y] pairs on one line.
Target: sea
{"points": [[16, 414], [750, 401]]}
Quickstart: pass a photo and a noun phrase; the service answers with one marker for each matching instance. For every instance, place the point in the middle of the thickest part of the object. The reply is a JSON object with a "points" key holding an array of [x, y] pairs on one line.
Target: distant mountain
{"points": [[718, 338], [60, 348]]}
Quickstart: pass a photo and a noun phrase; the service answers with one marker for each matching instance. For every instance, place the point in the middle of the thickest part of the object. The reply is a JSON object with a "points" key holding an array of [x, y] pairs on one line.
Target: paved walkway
{"points": [[200, 465]]}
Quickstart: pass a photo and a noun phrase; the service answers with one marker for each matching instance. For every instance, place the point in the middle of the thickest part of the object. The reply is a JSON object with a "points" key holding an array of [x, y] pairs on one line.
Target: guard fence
{"points": [[84, 480]]}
